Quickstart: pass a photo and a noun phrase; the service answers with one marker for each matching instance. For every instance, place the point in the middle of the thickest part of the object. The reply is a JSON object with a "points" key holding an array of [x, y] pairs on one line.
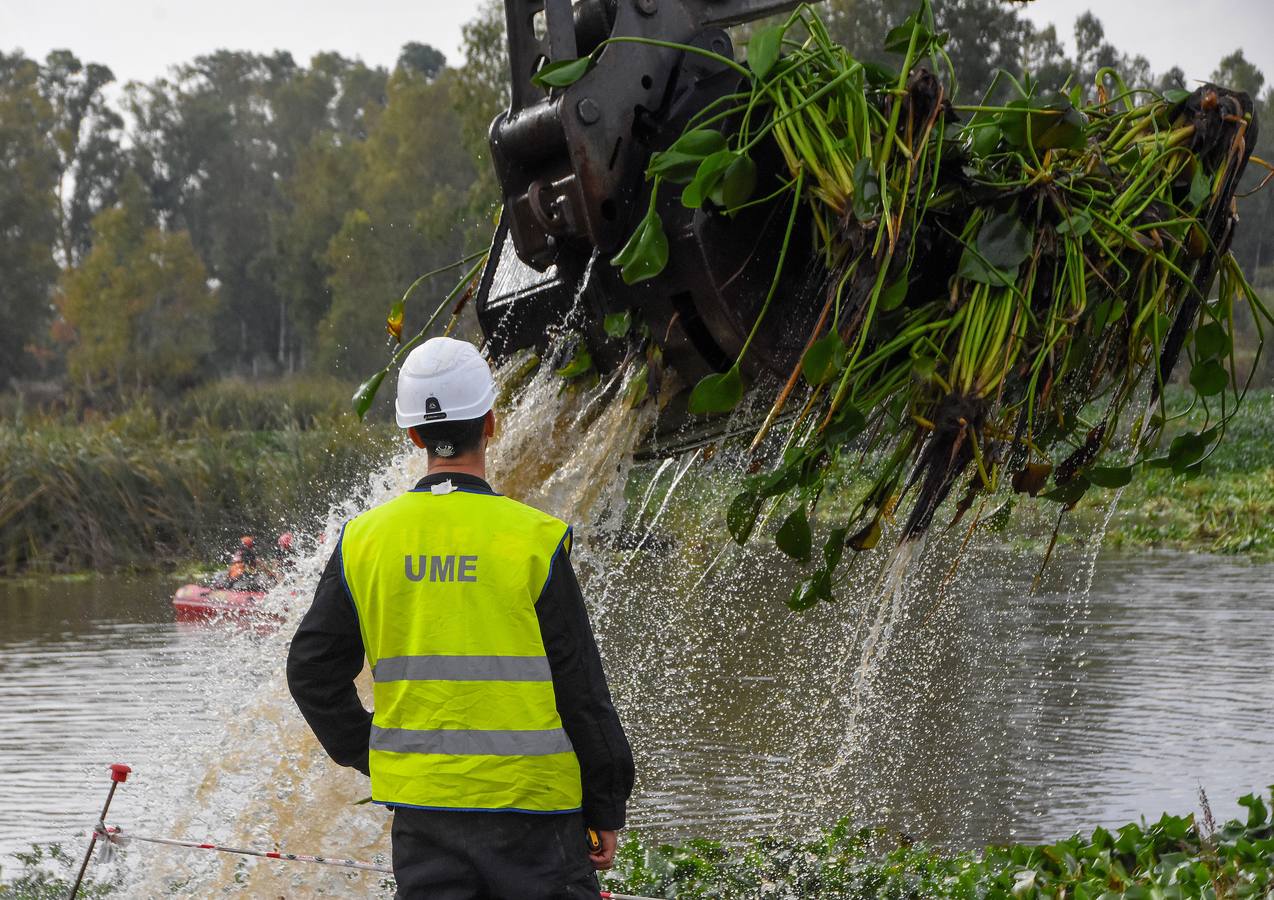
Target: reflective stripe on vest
{"points": [[465, 717], [463, 668]]}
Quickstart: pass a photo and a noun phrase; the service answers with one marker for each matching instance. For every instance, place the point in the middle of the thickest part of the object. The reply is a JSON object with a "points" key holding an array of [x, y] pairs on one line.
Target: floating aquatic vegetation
{"points": [[1175, 856]]}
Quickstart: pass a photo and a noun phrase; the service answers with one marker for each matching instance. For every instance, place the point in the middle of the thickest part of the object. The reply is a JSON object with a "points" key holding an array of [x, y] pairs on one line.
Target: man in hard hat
{"points": [[493, 738]]}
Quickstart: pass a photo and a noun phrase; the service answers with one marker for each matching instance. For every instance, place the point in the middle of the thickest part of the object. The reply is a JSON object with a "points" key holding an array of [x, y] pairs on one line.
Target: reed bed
{"points": [[130, 493]]}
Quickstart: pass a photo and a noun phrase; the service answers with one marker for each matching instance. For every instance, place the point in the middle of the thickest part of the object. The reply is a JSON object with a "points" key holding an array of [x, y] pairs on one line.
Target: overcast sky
{"points": [[140, 39]]}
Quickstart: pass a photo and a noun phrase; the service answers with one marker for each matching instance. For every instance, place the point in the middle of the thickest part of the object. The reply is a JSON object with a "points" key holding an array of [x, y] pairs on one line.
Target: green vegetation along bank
{"points": [[1226, 509], [157, 486], [1174, 858]]}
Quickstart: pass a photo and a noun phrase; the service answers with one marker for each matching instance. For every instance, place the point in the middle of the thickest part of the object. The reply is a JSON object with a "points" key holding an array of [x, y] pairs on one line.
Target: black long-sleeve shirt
{"points": [[327, 654]]}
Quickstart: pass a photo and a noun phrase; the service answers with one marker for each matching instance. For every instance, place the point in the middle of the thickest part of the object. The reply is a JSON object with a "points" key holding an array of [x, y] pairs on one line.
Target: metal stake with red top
{"points": [[119, 774]]}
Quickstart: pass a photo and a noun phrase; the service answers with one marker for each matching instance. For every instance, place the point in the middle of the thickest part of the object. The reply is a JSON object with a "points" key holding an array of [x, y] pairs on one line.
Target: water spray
{"points": [[113, 836]]}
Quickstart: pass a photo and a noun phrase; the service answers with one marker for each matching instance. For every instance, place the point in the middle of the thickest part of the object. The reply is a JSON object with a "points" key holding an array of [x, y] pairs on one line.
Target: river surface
{"points": [[1161, 685]]}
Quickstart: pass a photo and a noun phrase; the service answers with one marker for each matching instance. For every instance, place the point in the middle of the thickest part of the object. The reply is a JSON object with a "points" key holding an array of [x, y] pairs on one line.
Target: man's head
{"points": [[445, 395]]}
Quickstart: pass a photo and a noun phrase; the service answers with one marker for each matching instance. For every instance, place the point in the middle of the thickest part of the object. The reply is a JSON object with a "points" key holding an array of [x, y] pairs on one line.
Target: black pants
{"points": [[491, 856]]}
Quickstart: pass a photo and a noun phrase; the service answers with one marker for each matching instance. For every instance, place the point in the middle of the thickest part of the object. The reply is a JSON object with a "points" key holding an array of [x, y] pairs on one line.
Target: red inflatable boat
{"points": [[200, 603]]}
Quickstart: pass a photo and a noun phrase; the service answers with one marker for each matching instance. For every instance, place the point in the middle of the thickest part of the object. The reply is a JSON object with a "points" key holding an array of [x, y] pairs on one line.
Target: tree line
{"points": [[247, 214]]}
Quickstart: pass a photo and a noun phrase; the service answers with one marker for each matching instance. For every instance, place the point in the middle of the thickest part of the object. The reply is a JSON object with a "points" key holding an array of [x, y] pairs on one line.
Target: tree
{"points": [[86, 137], [1045, 58], [422, 59], [323, 115], [411, 194], [983, 35], [220, 145], [480, 91], [1237, 74], [139, 303], [317, 199], [1094, 53], [28, 213]]}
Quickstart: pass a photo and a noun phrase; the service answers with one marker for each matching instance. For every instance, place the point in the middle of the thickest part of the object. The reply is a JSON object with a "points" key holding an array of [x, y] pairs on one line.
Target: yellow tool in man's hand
{"points": [[594, 841]]}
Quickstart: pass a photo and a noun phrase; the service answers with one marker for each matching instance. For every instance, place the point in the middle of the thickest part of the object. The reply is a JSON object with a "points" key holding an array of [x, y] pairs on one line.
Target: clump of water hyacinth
{"points": [[1009, 286]]}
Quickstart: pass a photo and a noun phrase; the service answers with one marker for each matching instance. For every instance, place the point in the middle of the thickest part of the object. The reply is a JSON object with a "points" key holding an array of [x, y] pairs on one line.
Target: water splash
{"points": [[827, 713]]}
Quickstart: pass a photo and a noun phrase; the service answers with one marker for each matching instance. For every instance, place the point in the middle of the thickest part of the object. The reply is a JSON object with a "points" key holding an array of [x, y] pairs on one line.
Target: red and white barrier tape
{"points": [[119, 838]]}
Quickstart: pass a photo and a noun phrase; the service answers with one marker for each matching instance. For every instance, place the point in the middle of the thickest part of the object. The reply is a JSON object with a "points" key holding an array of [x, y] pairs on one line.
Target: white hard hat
{"points": [[443, 380]]}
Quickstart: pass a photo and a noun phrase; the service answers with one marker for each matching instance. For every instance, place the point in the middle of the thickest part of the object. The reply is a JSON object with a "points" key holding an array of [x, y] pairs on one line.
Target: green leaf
{"points": [[867, 538], [394, 322], [1209, 377], [1013, 121], [879, 76], [986, 138], [366, 393], [1176, 95], [1200, 188], [618, 324], [707, 177], [834, 548], [809, 593], [1186, 450], [1079, 222], [646, 253], [1211, 341], [899, 38], [1004, 241], [717, 393], [823, 359], [866, 190], [923, 368], [681, 161], [638, 388], [741, 517], [1032, 478], [780, 481], [973, 268], [1256, 810], [847, 425], [1064, 128], [563, 73], [737, 184], [580, 363], [1051, 125], [1110, 476], [1070, 493], [794, 537], [892, 295], [764, 49], [1106, 313]]}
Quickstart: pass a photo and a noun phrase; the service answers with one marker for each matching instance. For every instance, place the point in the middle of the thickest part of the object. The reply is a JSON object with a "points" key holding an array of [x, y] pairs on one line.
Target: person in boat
{"points": [[247, 571], [493, 738], [243, 574], [284, 555]]}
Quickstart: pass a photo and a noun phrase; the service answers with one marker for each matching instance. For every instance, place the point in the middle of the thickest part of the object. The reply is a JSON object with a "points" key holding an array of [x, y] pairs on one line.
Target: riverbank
{"points": [[160, 487], [1227, 509]]}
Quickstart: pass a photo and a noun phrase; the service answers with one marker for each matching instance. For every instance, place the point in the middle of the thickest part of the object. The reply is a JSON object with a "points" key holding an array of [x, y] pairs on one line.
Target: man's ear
{"points": [[415, 438], [488, 427]]}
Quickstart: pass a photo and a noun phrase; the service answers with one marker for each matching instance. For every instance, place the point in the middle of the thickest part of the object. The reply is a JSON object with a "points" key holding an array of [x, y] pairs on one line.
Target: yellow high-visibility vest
{"points": [[445, 582]]}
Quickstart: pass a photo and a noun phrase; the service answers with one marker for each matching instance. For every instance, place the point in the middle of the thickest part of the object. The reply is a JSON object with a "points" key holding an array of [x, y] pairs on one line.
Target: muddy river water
{"points": [[1161, 685]]}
